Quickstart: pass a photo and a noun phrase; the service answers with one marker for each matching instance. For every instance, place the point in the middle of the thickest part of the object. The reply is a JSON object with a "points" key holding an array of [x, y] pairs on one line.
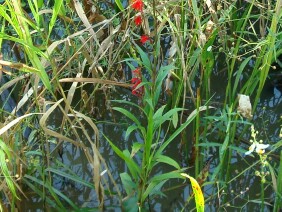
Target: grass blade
{"points": [[278, 197], [133, 167], [119, 4], [199, 197]]}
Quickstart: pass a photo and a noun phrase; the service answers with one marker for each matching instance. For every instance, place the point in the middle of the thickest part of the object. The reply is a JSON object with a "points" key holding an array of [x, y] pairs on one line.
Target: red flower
{"points": [[144, 39], [137, 72], [137, 5], [138, 20], [137, 91], [135, 81]]}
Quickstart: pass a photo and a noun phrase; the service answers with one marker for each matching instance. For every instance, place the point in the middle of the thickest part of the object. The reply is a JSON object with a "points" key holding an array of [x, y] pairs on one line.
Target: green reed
{"points": [[152, 147], [12, 14], [141, 184], [25, 33], [278, 196], [195, 50], [204, 60]]}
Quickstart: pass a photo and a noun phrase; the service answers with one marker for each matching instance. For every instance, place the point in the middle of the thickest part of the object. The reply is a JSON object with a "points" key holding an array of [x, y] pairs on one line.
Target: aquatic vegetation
{"points": [[257, 146], [199, 197], [119, 101]]}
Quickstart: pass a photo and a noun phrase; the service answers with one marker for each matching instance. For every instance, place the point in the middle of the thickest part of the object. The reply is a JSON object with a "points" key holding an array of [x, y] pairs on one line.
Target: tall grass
{"points": [[67, 55]]}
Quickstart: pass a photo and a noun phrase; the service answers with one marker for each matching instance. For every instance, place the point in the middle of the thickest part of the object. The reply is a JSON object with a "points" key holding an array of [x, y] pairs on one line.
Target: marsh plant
{"points": [[63, 63]]}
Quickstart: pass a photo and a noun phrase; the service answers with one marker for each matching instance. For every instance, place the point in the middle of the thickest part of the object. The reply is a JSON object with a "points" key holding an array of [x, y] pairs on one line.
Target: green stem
{"points": [[262, 196], [271, 50], [148, 140], [197, 149], [278, 199], [154, 65], [240, 27]]}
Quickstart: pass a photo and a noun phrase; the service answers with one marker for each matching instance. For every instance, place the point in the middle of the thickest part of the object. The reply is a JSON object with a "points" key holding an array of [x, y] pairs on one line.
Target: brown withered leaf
{"points": [[202, 177]]}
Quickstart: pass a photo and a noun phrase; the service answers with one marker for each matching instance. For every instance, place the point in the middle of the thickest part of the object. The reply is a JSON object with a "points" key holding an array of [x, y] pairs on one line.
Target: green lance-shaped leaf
{"points": [[128, 114], [132, 166], [156, 183], [145, 59], [5, 172], [128, 183], [55, 12], [199, 197], [278, 190], [119, 4]]}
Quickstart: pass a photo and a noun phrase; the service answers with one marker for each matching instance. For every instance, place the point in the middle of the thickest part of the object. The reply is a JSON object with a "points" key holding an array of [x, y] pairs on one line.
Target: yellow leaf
{"points": [[199, 197]]}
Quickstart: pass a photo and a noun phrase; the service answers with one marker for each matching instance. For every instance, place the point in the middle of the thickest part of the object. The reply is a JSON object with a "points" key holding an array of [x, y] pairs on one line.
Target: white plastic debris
{"points": [[245, 106]]}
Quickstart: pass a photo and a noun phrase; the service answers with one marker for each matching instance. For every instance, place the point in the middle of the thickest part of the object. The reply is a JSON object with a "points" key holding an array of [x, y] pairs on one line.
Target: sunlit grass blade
{"points": [[119, 4], [14, 122], [24, 44], [21, 25], [34, 9], [278, 197], [56, 10], [5, 157], [270, 53], [199, 197]]}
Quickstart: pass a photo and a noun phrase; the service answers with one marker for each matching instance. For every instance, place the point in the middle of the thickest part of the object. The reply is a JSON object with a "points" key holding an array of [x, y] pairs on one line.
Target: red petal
{"points": [[144, 39], [138, 20], [138, 5], [137, 72]]}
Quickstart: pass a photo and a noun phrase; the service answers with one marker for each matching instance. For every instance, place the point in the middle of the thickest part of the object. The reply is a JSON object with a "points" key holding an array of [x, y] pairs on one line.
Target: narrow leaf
{"points": [[119, 4], [133, 167], [128, 184], [128, 114], [145, 59], [15, 121], [168, 160], [74, 178], [158, 181], [278, 197], [199, 197]]}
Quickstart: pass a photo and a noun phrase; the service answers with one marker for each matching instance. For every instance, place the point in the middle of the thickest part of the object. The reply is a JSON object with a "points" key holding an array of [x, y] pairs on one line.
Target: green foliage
{"points": [[199, 197], [278, 196], [152, 154], [119, 4], [190, 44], [5, 158], [58, 8], [13, 14], [142, 184]]}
